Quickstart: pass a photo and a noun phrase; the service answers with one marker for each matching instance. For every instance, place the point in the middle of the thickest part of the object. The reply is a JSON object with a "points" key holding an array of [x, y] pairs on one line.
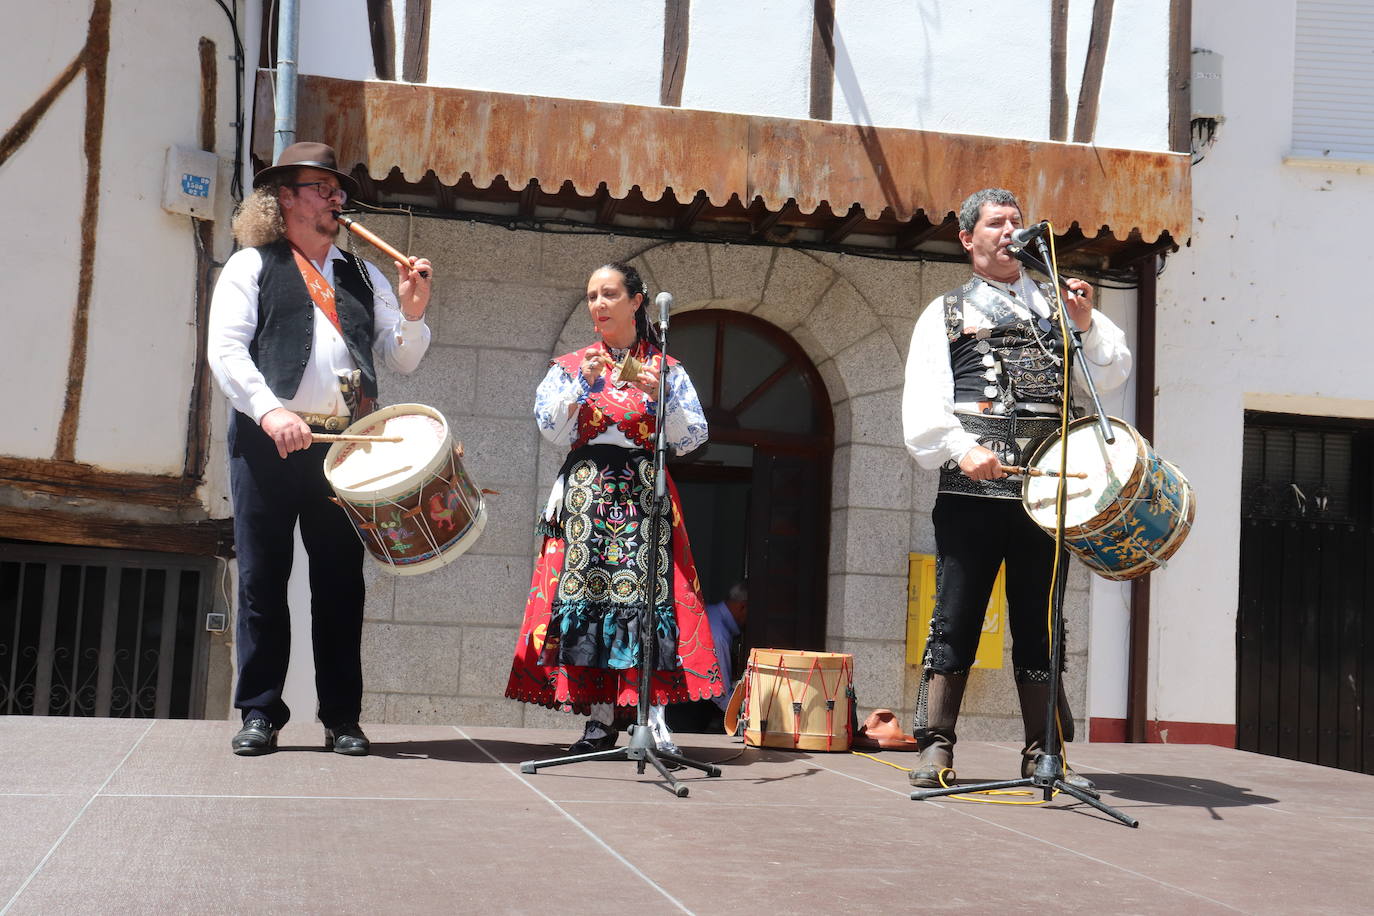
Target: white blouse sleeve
{"points": [[684, 423], [553, 402]]}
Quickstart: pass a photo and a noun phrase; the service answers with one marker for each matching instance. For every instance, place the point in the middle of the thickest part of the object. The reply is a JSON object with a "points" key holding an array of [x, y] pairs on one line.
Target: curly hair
{"points": [[258, 219]]}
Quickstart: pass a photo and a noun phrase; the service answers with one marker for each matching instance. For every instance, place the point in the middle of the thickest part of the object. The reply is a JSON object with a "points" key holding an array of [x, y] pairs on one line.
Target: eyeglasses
{"points": [[323, 188]]}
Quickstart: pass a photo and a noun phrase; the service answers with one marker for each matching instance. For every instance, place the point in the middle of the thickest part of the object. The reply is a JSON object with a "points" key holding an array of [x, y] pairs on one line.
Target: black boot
{"points": [[937, 713], [596, 736], [1034, 697]]}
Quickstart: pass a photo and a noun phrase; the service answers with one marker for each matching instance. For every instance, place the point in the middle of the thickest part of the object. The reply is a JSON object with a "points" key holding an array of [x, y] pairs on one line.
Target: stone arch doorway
{"points": [[757, 495]]}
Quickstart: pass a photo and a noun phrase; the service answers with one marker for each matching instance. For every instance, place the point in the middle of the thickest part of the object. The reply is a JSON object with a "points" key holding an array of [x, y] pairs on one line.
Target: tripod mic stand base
{"points": [[1046, 778], [642, 750]]}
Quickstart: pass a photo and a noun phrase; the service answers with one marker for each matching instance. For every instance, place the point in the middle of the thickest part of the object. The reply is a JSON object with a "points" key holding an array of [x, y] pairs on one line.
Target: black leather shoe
{"points": [[596, 736], [256, 737], [347, 739]]}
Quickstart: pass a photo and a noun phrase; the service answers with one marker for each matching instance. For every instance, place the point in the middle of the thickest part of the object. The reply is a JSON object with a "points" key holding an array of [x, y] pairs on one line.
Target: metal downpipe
{"points": [[284, 99]]}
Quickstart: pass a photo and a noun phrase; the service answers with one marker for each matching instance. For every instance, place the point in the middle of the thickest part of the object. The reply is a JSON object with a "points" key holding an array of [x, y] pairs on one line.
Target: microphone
{"points": [[664, 301], [1023, 237]]}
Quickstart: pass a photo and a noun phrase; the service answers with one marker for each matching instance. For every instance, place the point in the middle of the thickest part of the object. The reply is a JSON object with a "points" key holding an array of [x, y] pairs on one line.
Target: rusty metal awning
{"points": [[705, 173]]}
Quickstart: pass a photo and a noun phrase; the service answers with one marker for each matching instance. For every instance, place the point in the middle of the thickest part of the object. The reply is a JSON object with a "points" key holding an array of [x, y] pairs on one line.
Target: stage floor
{"points": [[124, 816]]}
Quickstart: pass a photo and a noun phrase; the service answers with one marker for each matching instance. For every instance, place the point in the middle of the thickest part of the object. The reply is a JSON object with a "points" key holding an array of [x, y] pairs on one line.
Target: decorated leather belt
{"points": [[1012, 438], [986, 407], [325, 422]]}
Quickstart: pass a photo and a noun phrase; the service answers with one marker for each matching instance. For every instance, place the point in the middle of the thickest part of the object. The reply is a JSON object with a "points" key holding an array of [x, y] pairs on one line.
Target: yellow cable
{"points": [[965, 797], [1061, 490]]}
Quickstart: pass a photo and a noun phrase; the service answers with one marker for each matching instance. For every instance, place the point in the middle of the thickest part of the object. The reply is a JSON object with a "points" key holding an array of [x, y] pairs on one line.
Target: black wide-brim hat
{"points": [[308, 155]]}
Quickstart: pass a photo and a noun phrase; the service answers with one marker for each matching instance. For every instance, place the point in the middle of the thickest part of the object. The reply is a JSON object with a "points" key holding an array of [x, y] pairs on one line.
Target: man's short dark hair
{"points": [[972, 207]]}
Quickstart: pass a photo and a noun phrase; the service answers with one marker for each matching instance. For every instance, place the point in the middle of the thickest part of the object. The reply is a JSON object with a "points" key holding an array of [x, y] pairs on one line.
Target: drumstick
{"points": [[1036, 472], [345, 437]]}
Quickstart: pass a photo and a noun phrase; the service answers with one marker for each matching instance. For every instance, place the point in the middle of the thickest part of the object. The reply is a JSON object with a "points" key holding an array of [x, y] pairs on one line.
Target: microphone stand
{"points": [[642, 748], [1042, 266], [1049, 767]]}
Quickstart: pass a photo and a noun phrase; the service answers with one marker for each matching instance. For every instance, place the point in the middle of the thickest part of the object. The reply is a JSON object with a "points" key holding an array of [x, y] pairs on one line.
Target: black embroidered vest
{"points": [[287, 316], [1016, 362], [1005, 367]]}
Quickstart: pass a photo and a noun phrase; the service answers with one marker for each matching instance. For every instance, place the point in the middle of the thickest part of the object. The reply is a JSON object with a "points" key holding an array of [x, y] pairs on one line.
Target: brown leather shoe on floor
{"points": [[882, 731]]}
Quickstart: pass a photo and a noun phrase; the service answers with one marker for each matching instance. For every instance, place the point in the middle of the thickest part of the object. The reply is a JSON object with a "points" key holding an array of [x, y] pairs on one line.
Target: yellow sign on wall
{"points": [[920, 606]]}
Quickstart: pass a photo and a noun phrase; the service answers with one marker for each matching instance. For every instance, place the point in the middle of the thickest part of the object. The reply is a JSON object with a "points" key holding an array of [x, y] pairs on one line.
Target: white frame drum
{"points": [[412, 503]]}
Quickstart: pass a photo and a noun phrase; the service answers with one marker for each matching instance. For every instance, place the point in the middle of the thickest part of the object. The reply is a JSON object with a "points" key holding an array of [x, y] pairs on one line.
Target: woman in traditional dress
{"points": [[579, 645]]}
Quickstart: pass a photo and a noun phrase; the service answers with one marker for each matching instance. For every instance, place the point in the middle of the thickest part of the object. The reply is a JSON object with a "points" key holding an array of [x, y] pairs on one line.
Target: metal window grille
{"points": [[89, 632], [1294, 473]]}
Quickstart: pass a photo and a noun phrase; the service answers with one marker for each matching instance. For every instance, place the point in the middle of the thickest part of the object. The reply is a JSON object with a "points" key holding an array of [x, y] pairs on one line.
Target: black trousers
{"points": [[974, 535], [270, 495]]}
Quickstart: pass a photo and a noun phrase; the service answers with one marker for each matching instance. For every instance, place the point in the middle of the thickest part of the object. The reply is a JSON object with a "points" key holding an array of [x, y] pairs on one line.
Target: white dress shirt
{"points": [[397, 343], [932, 432]]}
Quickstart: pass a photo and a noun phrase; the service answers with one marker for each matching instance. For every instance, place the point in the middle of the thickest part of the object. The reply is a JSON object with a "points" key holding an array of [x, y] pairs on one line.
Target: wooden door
{"points": [[1305, 621]]}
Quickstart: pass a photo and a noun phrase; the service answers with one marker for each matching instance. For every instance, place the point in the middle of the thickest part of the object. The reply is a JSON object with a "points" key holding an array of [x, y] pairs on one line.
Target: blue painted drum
{"points": [[1128, 513]]}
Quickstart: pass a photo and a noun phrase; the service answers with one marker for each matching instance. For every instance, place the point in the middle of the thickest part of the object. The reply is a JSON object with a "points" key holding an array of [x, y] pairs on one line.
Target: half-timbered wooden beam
{"points": [[676, 19], [823, 60], [1089, 93]]}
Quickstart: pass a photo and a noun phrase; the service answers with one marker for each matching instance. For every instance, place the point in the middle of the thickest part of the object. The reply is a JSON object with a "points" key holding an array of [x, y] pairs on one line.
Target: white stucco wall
{"points": [[334, 39], [1252, 314], [42, 184], [580, 49], [730, 69], [1108, 636], [962, 67], [141, 337]]}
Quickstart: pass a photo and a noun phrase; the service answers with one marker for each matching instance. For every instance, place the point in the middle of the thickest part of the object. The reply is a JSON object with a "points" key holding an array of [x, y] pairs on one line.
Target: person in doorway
{"points": [[983, 387], [727, 623], [296, 332], [579, 645]]}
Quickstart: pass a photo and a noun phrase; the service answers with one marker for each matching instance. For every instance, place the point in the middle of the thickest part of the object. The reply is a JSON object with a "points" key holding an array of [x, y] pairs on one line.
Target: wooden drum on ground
{"points": [[797, 699], [411, 502]]}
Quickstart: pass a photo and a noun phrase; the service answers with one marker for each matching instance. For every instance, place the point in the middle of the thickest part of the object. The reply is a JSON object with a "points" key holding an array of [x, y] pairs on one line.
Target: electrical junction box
{"points": [[1206, 86], [188, 185]]}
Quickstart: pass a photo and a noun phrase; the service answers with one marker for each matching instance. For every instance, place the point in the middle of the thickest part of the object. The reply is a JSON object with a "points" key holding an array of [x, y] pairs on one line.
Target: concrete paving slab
{"points": [[215, 855], [32, 826], [104, 816], [883, 857], [63, 756], [412, 761]]}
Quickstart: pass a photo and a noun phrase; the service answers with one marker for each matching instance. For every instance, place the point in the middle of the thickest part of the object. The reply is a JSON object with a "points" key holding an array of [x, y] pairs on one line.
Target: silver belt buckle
{"points": [[334, 424]]}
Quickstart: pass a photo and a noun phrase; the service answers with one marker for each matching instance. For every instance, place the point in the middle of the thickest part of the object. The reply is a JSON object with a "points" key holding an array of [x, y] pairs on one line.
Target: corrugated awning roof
{"points": [[689, 171]]}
